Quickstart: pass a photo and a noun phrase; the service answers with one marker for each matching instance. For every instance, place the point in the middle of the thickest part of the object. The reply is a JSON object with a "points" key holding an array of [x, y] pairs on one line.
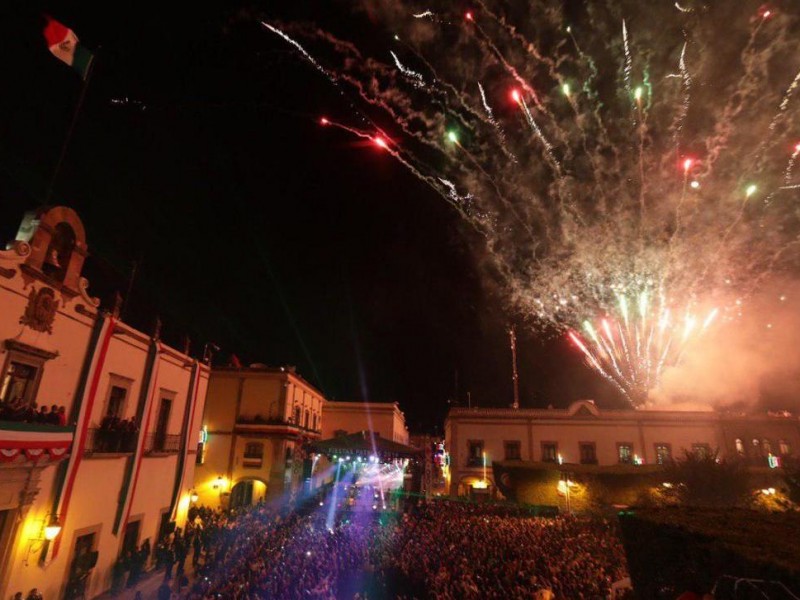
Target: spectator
{"points": [[21, 411], [442, 549]]}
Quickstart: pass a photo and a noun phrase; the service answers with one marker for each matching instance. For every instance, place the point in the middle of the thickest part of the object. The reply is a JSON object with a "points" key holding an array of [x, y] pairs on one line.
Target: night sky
{"points": [[198, 155]]}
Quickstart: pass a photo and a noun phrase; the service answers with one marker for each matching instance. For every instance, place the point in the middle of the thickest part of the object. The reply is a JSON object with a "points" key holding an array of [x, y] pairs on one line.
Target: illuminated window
{"points": [[702, 450], [19, 383], [588, 453], [625, 453], [549, 452], [739, 447], [663, 454], [474, 453], [784, 447], [513, 450]]}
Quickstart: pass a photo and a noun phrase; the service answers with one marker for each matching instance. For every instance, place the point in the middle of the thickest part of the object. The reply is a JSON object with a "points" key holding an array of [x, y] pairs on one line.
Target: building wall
{"points": [[256, 405], [583, 422], [99, 475], [385, 418]]}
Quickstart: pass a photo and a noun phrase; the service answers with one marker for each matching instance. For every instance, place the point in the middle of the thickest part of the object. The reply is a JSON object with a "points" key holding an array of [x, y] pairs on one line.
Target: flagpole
{"points": [[75, 114]]}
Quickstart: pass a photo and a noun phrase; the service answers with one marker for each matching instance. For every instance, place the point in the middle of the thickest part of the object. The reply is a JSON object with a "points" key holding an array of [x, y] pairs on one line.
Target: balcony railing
{"points": [[259, 420], [167, 443], [110, 441]]}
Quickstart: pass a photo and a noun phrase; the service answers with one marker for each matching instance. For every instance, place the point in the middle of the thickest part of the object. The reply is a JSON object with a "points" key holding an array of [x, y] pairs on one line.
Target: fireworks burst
{"points": [[630, 165], [631, 350]]}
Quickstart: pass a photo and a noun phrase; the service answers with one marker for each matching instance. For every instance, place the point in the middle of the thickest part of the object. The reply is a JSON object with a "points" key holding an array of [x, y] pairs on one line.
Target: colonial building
{"points": [[584, 434], [256, 423], [111, 464], [383, 418]]}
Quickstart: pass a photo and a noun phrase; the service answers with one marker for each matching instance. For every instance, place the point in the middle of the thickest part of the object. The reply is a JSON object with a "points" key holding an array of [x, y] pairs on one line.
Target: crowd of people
{"points": [[455, 550], [439, 549], [116, 435], [25, 412]]}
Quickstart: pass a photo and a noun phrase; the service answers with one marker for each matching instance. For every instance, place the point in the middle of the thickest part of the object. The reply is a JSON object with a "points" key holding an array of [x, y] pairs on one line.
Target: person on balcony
{"points": [[43, 416]]}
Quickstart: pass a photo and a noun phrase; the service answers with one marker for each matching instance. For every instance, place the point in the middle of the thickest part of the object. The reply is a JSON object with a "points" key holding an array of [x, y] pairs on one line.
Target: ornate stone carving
{"points": [[22, 248], [13, 256], [83, 288], [41, 310]]}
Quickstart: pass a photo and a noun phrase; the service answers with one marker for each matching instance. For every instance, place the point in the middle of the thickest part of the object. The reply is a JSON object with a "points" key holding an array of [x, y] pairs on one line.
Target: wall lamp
{"points": [[49, 530]]}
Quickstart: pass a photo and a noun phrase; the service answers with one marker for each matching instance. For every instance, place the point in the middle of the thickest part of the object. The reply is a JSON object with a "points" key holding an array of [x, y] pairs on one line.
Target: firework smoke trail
{"points": [[494, 123], [628, 59], [566, 234], [686, 80], [381, 141], [787, 97], [787, 174], [417, 77], [462, 101], [548, 147]]}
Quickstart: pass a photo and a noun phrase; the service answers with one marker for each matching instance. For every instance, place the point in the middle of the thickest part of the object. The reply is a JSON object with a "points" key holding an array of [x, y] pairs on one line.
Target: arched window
{"points": [[739, 447], [305, 421], [297, 415]]}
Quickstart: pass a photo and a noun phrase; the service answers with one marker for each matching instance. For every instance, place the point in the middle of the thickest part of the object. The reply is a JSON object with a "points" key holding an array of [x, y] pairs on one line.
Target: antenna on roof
{"points": [[515, 376]]}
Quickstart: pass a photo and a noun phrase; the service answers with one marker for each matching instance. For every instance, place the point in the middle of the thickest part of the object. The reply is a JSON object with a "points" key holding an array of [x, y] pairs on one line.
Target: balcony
{"points": [[274, 426], [163, 443], [22, 442], [109, 441]]}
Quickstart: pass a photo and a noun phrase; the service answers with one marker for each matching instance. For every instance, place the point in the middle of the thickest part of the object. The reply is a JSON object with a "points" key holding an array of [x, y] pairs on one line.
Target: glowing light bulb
{"points": [[751, 189], [687, 164], [324, 121], [451, 136], [515, 95], [797, 147], [695, 185], [565, 89], [638, 93], [468, 16], [381, 143]]}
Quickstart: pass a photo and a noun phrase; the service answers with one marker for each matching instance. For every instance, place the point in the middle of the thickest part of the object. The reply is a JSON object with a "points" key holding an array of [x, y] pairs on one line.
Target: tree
{"points": [[705, 479], [791, 475]]}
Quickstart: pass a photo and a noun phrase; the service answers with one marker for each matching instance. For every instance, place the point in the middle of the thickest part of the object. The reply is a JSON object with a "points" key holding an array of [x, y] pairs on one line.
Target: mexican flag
{"points": [[64, 45]]}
